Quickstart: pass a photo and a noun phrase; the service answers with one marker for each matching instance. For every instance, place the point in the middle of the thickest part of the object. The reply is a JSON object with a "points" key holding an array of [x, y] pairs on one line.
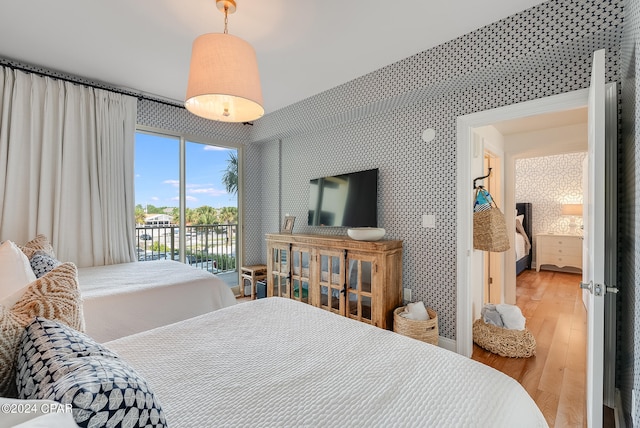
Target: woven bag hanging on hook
{"points": [[489, 225]]}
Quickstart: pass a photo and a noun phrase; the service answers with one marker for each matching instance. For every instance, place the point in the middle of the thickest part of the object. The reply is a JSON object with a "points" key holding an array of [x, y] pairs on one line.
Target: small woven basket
{"points": [[426, 331], [504, 342]]}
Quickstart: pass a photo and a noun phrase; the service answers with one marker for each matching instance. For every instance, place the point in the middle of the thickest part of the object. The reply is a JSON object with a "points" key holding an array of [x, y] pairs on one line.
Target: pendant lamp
{"points": [[224, 83]]}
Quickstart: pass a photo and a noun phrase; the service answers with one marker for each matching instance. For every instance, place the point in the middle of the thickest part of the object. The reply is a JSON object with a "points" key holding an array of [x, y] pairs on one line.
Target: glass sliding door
{"points": [[211, 206], [186, 202]]}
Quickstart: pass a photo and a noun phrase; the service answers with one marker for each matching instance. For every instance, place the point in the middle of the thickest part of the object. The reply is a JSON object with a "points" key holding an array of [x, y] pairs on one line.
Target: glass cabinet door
{"points": [[300, 274], [331, 280], [279, 262], [359, 279]]}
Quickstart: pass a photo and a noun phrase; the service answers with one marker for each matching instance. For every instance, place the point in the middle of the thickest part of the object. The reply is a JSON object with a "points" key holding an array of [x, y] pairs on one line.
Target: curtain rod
{"points": [[81, 81]]}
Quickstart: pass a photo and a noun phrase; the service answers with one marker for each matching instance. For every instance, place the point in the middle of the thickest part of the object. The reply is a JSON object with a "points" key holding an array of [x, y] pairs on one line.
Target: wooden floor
{"points": [[555, 377]]}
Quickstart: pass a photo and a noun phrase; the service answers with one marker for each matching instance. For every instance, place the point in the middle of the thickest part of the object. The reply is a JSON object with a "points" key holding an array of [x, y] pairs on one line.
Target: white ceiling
{"points": [[304, 47], [543, 121]]}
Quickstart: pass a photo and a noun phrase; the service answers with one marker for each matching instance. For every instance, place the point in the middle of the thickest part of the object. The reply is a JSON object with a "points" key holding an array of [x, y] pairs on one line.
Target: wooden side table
{"points": [[250, 275]]}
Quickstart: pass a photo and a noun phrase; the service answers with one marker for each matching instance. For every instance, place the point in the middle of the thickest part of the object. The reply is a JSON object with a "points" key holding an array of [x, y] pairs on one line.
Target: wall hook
{"points": [[480, 178]]}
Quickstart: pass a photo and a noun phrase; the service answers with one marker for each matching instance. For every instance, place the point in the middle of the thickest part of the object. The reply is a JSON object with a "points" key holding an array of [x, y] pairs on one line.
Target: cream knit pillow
{"points": [[39, 243], [55, 296], [15, 270]]}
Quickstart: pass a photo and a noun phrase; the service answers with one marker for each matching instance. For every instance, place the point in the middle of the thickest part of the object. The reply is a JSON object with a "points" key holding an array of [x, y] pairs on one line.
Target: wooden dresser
{"points": [[361, 280], [558, 250]]}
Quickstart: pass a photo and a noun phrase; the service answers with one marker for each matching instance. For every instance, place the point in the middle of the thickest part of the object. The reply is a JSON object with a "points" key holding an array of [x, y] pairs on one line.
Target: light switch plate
{"points": [[428, 220]]}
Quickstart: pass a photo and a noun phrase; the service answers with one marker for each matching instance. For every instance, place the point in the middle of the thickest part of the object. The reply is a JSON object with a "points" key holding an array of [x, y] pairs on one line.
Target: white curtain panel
{"points": [[66, 167]]}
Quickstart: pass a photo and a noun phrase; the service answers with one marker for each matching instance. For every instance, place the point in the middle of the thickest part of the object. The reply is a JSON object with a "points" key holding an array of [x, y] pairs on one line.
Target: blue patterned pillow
{"points": [[43, 263], [56, 362]]}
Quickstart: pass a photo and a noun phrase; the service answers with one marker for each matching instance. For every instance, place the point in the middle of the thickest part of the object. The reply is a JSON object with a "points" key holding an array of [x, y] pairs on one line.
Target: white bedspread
{"points": [[128, 298], [280, 363], [520, 247]]}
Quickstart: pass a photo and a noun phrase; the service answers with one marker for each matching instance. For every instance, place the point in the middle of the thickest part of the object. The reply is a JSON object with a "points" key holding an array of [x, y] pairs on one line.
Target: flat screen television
{"points": [[347, 200]]}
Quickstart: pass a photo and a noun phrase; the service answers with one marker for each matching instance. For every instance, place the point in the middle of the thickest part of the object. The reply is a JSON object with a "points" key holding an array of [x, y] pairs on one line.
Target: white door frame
{"points": [[464, 223]]}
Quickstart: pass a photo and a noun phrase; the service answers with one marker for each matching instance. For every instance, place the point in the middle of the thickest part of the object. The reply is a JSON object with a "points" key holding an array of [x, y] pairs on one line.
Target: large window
{"points": [[186, 201]]}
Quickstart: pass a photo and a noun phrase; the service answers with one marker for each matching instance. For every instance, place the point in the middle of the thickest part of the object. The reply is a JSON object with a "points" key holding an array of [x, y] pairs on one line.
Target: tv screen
{"points": [[348, 200]]}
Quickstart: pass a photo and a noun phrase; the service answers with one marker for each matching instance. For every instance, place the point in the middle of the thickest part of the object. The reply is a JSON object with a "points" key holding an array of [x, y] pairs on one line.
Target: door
{"points": [[300, 273], [594, 242], [360, 272], [278, 263], [331, 280]]}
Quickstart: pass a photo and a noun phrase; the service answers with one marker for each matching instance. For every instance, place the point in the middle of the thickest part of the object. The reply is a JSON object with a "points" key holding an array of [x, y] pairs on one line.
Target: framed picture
{"points": [[287, 227]]}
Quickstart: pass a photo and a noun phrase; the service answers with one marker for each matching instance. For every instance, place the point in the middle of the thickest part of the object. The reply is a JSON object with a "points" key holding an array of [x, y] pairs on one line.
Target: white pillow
{"points": [[415, 311], [35, 414], [521, 218], [15, 270]]}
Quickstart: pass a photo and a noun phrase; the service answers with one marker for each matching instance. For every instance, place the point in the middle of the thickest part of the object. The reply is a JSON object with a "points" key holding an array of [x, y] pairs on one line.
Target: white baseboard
{"points": [[447, 343]]}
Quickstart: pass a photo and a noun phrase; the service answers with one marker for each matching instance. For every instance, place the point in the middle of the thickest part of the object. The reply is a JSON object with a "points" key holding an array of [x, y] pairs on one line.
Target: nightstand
{"points": [[558, 250], [250, 276]]}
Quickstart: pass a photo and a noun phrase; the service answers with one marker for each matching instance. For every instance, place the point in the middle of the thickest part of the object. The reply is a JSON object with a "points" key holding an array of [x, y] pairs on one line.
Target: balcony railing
{"points": [[210, 247]]}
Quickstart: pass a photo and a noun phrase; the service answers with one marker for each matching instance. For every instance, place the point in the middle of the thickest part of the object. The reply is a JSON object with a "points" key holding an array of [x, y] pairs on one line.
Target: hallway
{"points": [[555, 377]]}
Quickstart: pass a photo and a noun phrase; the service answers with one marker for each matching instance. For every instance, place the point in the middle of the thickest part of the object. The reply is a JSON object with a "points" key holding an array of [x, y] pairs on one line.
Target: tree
{"points": [[228, 215], [206, 215], [230, 176], [139, 214]]}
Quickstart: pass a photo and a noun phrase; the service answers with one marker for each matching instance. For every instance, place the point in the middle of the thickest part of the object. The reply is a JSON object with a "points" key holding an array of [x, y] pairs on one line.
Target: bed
{"points": [[523, 240], [302, 366], [126, 298]]}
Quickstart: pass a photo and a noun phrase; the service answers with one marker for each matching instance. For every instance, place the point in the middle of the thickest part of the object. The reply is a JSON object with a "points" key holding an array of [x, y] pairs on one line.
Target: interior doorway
{"points": [[466, 149], [467, 169]]}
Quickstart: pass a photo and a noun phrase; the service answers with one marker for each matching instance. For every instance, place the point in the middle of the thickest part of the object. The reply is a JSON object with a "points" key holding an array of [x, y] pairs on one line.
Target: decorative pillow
{"points": [[44, 347], [58, 363], [15, 268], [39, 243], [55, 296], [42, 263]]}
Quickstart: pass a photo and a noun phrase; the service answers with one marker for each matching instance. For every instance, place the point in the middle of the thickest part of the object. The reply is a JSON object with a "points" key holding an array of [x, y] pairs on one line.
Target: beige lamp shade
{"points": [[224, 83], [572, 209]]}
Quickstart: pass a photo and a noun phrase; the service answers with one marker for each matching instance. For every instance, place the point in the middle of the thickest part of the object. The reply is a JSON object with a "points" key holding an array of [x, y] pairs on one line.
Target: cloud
{"points": [[215, 148], [208, 191], [188, 198], [174, 183], [195, 186], [154, 198]]}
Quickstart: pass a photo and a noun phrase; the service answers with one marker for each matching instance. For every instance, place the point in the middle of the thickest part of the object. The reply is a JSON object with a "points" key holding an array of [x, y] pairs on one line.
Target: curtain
{"points": [[66, 167]]}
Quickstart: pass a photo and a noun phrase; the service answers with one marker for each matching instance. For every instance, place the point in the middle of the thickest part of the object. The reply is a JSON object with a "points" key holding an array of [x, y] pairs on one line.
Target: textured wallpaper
{"points": [[548, 182], [628, 367]]}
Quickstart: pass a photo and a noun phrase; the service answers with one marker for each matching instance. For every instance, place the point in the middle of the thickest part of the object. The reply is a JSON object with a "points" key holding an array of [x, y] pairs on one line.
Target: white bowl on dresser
{"points": [[366, 233]]}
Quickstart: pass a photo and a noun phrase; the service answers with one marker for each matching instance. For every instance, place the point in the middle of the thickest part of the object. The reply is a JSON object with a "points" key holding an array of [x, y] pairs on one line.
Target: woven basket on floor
{"points": [[504, 342], [426, 331]]}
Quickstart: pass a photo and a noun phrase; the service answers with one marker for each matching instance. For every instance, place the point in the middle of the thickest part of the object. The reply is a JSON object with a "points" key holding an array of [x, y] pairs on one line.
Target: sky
{"points": [[157, 173]]}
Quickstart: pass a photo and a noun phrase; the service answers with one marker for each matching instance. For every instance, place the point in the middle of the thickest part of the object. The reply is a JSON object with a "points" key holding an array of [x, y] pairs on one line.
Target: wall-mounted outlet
{"points": [[635, 417], [406, 294]]}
